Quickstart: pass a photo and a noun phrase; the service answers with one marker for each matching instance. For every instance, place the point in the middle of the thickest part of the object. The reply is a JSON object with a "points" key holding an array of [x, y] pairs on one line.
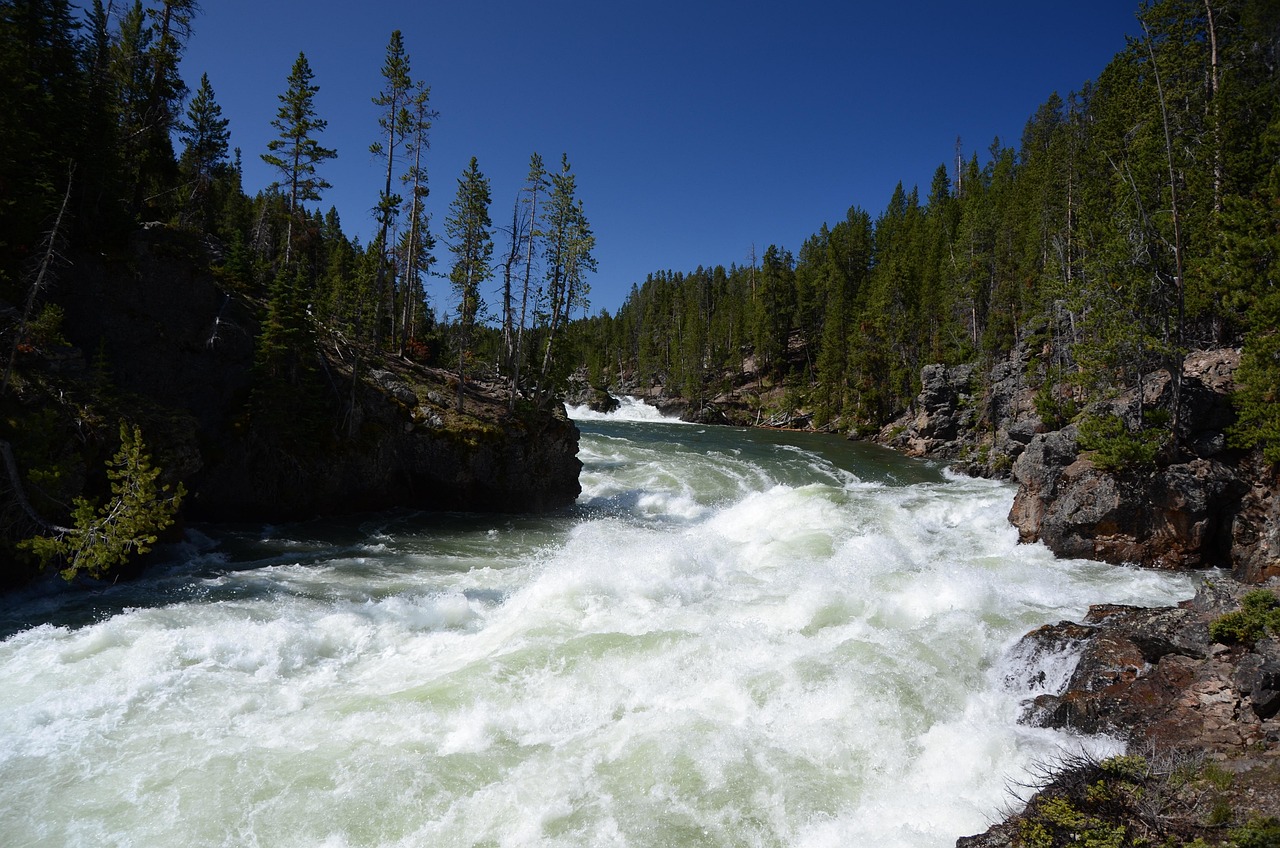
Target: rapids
{"points": [[737, 638]]}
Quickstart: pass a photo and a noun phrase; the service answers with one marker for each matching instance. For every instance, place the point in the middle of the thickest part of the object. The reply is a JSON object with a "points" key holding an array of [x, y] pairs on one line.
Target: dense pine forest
{"points": [[1136, 219], [103, 144]]}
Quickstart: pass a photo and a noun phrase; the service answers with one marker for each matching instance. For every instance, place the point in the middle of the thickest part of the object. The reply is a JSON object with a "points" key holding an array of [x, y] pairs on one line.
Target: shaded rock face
{"points": [[1255, 528], [979, 425], [176, 338], [946, 410], [1179, 516], [414, 459]]}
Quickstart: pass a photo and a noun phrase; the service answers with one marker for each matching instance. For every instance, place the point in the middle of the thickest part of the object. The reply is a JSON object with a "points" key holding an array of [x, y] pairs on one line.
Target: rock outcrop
{"points": [[1157, 678], [1199, 505], [1206, 506], [379, 435]]}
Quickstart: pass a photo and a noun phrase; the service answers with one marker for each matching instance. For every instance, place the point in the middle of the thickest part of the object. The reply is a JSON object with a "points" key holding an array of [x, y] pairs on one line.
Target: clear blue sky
{"points": [[697, 129]]}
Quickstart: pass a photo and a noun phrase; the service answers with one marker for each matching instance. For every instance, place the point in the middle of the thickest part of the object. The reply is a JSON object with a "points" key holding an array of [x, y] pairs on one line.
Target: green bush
{"points": [[1259, 613], [1054, 410], [1262, 833], [1115, 448]]}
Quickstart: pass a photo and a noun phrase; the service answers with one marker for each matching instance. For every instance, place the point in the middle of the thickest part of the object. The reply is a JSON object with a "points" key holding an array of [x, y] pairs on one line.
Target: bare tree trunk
{"points": [[524, 293], [1216, 109], [46, 263], [508, 320], [20, 495], [1175, 367]]}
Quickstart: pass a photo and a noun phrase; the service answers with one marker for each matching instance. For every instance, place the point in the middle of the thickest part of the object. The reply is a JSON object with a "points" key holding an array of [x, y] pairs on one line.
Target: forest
{"points": [[103, 140], [1136, 219], [102, 119]]}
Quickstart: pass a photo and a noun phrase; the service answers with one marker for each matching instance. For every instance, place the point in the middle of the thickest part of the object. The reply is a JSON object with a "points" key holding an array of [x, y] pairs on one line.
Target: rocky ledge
{"points": [[1194, 690], [1200, 504], [374, 431]]}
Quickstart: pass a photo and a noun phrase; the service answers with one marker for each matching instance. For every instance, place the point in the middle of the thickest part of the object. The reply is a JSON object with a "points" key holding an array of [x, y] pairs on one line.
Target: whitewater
{"points": [[736, 638]]}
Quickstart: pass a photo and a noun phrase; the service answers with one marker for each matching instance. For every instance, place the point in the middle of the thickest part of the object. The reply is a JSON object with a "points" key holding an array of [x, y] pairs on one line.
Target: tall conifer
{"points": [[296, 152]]}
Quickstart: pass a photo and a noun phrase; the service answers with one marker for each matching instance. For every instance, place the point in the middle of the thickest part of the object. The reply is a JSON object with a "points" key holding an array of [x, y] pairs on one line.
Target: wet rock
{"points": [[1153, 675]]}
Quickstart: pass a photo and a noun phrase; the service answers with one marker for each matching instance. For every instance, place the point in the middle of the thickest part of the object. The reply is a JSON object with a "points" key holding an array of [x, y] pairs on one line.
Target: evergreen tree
{"points": [[170, 26], [397, 124], [296, 153], [103, 537], [535, 185], [569, 255], [41, 96], [205, 138], [468, 228], [417, 243]]}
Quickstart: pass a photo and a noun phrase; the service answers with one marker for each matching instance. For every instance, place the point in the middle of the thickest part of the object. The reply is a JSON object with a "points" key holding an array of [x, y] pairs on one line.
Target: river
{"points": [[736, 638]]}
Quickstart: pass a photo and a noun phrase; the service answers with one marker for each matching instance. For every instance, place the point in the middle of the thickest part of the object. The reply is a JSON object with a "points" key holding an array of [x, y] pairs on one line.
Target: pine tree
{"points": [[297, 153], [535, 185], [417, 244], [41, 92], [468, 228], [206, 139], [397, 124], [103, 537], [161, 101], [569, 255]]}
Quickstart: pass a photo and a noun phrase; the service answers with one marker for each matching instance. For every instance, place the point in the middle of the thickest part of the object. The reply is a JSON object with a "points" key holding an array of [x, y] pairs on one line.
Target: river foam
{"points": [[732, 642]]}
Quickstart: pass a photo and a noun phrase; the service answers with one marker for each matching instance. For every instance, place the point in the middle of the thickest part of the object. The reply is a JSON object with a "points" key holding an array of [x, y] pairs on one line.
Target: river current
{"points": [[736, 638]]}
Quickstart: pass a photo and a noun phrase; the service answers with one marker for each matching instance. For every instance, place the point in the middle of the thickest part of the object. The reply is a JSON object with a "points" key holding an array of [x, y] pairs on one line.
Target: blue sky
{"points": [[697, 129]]}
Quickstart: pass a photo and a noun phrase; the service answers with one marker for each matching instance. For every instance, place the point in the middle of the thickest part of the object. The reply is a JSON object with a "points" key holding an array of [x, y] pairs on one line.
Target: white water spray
{"points": [[737, 639]]}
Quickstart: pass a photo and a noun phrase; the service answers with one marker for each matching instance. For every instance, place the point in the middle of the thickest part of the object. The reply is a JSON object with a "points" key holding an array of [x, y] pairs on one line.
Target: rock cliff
{"points": [[176, 347], [1199, 504]]}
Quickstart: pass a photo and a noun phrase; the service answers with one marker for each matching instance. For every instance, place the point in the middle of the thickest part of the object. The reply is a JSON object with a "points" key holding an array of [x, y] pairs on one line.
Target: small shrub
{"points": [[45, 330], [1115, 447], [1259, 613], [1129, 767], [1219, 815], [1261, 833], [1054, 409]]}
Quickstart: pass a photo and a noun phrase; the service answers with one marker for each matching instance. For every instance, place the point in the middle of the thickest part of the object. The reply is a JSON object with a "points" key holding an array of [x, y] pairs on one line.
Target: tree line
{"points": [[95, 106], [1135, 220], [101, 135]]}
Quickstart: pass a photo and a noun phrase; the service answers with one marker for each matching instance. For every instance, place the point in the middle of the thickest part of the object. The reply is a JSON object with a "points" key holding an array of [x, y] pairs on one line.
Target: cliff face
{"points": [[411, 448], [1204, 506], [379, 431]]}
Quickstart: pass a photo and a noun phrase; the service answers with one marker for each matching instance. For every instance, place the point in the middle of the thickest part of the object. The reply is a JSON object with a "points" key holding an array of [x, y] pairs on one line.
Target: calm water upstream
{"points": [[737, 638]]}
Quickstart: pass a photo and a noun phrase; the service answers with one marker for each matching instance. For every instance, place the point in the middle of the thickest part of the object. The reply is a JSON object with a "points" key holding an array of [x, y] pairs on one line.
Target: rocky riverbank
{"points": [[1195, 696], [152, 336], [1197, 707]]}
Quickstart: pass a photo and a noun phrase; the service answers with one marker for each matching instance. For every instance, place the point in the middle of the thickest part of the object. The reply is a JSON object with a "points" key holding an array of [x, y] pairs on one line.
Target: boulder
{"points": [[1179, 516]]}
